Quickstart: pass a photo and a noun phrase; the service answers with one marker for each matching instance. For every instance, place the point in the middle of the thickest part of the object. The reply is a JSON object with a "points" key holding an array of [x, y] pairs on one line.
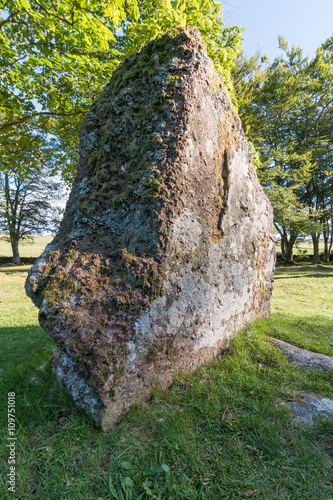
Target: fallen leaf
{"points": [[290, 441], [206, 395], [248, 493], [226, 413]]}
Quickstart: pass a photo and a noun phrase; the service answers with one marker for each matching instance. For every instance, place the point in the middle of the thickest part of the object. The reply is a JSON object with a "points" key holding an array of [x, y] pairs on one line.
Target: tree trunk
{"points": [[315, 241], [326, 250], [289, 244], [329, 250], [283, 252], [15, 250]]}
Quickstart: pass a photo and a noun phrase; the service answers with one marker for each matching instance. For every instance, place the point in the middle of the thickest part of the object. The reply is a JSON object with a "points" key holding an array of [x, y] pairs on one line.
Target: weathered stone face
{"points": [[167, 244]]}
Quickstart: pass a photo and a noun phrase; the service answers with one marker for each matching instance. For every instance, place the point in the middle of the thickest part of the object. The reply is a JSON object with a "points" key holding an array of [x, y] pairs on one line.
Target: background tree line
{"points": [[286, 109]]}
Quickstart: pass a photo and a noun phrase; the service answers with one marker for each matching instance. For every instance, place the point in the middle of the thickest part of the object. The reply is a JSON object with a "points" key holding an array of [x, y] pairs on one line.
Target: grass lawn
{"points": [[26, 250], [223, 432], [302, 306]]}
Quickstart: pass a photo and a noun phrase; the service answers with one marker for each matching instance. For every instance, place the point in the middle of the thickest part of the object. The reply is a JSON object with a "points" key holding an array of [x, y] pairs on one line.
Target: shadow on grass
{"points": [[201, 438], [15, 270], [25, 369], [303, 271], [23, 350]]}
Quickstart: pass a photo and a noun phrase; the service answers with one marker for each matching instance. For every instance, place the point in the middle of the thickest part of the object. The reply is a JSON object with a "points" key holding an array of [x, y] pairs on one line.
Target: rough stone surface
{"points": [[310, 407], [167, 244], [304, 357]]}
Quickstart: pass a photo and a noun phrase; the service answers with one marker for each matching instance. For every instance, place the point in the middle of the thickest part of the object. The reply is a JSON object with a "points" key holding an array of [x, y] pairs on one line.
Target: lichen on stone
{"points": [[164, 249]]}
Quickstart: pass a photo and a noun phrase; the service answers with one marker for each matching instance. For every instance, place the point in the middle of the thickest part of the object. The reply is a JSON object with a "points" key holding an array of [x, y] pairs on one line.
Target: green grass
{"points": [[26, 250], [302, 306], [177, 445]]}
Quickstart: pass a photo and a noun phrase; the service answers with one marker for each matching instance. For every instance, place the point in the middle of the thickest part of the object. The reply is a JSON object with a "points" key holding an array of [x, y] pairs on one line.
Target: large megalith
{"points": [[166, 248]]}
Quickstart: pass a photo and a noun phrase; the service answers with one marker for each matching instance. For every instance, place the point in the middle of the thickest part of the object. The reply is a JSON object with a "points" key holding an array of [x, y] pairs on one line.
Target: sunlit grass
{"points": [[302, 306], [214, 434], [26, 250]]}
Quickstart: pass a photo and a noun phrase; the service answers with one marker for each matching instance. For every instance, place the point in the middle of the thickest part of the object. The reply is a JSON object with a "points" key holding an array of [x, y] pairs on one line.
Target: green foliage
{"points": [[289, 213], [55, 58], [286, 108], [158, 16]]}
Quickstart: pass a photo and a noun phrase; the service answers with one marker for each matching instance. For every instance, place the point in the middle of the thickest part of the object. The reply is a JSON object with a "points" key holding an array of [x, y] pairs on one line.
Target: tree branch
{"points": [[26, 118], [55, 14]]}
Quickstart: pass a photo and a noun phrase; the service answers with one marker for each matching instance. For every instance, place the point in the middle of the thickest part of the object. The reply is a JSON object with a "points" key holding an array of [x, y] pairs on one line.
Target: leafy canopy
{"points": [[56, 56], [286, 108]]}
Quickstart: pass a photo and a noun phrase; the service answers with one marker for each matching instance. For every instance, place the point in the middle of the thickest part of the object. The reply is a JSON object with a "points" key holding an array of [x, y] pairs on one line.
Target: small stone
{"points": [[62, 421], [304, 357], [310, 408]]}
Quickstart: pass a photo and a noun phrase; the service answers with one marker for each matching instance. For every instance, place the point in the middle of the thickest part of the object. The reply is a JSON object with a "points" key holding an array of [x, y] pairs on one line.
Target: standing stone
{"points": [[167, 245]]}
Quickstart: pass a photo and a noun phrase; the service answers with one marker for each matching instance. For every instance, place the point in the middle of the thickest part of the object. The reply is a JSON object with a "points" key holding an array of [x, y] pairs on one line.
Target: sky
{"points": [[305, 23]]}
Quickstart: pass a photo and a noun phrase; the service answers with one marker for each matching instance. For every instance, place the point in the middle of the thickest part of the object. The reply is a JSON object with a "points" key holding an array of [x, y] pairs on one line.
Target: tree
{"points": [[319, 192], [291, 219], [269, 115], [25, 207], [26, 190], [55, 57], [286, 108]]}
